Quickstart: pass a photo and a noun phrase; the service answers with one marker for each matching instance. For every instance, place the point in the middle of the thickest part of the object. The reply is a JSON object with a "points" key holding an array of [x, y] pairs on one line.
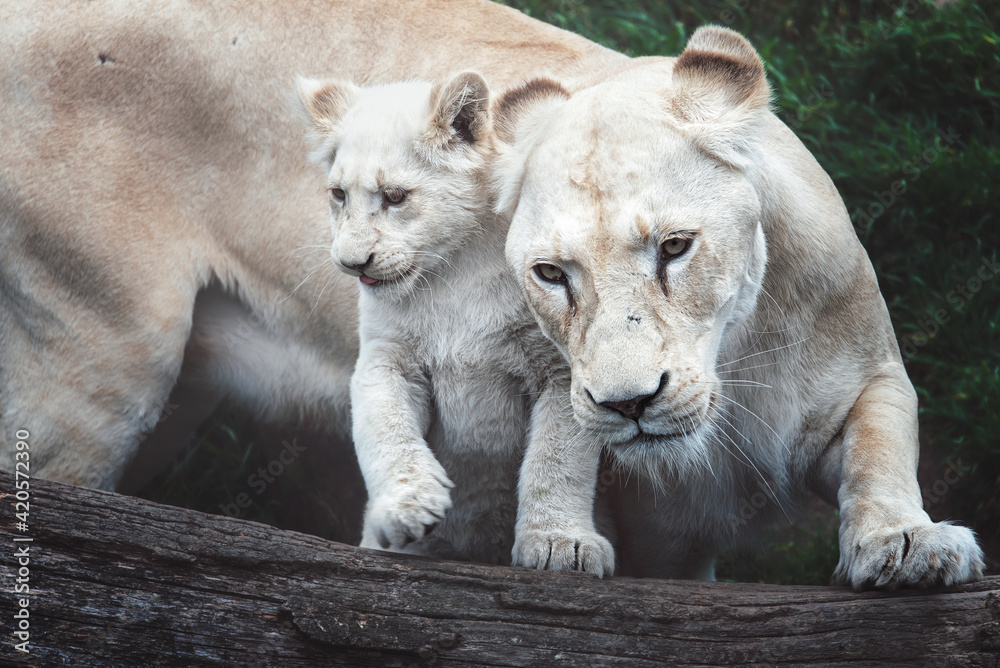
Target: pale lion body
{"points": [[723, 323], [151, 149]]}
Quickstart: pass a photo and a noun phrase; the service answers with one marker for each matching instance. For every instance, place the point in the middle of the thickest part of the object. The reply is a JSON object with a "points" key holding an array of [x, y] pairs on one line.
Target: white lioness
{"points": [[150, 150], [452, 364], [723, 323]]}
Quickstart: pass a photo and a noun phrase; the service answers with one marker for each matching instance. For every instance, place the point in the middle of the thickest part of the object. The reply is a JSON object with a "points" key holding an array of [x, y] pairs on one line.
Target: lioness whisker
{"points": [[761, 333], [770, 331], [745, 368], [775, 302], [750, 461], [718, 441], [707, 460], [763, 352], [738, 382], [762, 421]]}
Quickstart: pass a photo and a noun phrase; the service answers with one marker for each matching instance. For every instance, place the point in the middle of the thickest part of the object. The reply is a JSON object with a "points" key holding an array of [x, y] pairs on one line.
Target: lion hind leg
{"points": [[86, 386], [83, 424]]}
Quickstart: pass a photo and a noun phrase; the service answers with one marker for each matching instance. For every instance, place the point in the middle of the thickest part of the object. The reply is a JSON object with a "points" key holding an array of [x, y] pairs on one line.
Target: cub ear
{"points": [[717, 89], [326, 102], [460, 111], [519, 116]]}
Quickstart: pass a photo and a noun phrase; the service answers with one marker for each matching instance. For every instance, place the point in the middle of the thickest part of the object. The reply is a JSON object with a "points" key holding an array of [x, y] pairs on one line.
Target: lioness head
{"points": [[404, 161], [637, 237]]}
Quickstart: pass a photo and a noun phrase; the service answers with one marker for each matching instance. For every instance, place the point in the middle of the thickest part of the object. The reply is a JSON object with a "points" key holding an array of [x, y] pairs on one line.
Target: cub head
{"points": [[405, 174], [637, 237]]}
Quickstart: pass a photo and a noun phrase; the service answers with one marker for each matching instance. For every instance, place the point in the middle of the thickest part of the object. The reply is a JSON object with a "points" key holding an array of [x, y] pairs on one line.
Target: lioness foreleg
{"points": [[886, 539], [407, 486], [555, 515]]}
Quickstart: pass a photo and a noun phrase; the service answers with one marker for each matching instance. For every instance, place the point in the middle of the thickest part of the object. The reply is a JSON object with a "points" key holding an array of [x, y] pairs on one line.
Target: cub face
{"points": [[638, 247], [404, 173]]}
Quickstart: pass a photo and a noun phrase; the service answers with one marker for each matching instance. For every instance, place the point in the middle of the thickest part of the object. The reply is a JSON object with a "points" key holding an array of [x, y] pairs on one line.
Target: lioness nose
{"points": [[634, 408], [360, 268]]}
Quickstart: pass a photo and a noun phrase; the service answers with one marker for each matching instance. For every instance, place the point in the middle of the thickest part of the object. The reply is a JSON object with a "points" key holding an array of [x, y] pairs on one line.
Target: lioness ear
{"points": [[516, 106], [326, 102], [460, 112], [518, 123], [718, 87]]}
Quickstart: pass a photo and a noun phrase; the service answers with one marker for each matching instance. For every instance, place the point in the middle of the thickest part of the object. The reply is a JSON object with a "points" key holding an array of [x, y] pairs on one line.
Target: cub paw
{"points": [[919, 556], [406, 510], [564, 551]]}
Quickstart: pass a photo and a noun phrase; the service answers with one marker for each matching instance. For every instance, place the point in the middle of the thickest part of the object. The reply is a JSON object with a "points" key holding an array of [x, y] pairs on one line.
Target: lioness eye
{"points": [[674, 247], [337, 195], [550, 273], [394, 195]]}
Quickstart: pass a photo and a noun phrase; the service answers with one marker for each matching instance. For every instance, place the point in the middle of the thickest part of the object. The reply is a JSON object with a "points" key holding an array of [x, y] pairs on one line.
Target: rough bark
{"points": [[121, 581]]}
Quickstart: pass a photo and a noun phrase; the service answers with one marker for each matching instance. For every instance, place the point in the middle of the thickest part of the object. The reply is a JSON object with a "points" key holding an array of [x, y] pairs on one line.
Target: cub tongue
{"points": [[368, 280]]}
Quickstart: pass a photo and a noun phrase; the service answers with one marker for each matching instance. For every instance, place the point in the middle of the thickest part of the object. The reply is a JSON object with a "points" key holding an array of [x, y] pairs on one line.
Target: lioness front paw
{"points": [[564, 551], [407, 510], [920, 556]]}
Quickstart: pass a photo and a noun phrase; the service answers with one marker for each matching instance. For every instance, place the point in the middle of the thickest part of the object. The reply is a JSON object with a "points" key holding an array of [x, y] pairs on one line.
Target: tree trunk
{"points": [[116, 580]]}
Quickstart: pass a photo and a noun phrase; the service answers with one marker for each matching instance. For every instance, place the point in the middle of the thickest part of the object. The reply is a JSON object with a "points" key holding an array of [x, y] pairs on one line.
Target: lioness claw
{"points": [[586, 551], [913, 556]]}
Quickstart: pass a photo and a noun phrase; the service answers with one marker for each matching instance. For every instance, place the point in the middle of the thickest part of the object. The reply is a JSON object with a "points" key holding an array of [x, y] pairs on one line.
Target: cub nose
{"points": [[358, 269], [634, 408]]}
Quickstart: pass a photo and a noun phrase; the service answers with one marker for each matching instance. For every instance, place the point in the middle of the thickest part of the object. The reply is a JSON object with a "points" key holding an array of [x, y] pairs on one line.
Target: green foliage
{"points": [[869, 87], [802, 554], [211, 473]]}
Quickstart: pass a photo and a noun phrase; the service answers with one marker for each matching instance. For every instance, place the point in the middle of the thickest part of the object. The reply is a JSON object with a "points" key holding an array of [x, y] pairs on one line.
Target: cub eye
{"points": [[675, 247], [394, 195], [549, 273], [337, 195]]}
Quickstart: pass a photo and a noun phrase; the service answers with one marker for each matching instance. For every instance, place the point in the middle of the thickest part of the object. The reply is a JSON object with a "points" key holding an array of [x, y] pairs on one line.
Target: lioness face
{"points": [[403, 167], [637, 253]]}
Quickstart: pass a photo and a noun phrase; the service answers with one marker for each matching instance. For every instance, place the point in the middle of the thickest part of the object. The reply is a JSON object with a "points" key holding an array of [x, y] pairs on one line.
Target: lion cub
{"points": [[452, 367]]}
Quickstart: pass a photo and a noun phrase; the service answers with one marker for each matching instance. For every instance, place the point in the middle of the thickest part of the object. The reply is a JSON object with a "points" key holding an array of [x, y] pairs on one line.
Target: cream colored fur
{"points": [[723, 324], [150, 150], [452, 366]]}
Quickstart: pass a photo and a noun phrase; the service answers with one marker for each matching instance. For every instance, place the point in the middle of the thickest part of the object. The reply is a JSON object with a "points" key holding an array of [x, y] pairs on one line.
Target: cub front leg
{"points": [[886, 539], [555, 514], [408, 489]]}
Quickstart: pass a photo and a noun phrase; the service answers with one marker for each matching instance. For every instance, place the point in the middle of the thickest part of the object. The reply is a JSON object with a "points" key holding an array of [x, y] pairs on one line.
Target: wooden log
{"points": [[116, 580]]}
